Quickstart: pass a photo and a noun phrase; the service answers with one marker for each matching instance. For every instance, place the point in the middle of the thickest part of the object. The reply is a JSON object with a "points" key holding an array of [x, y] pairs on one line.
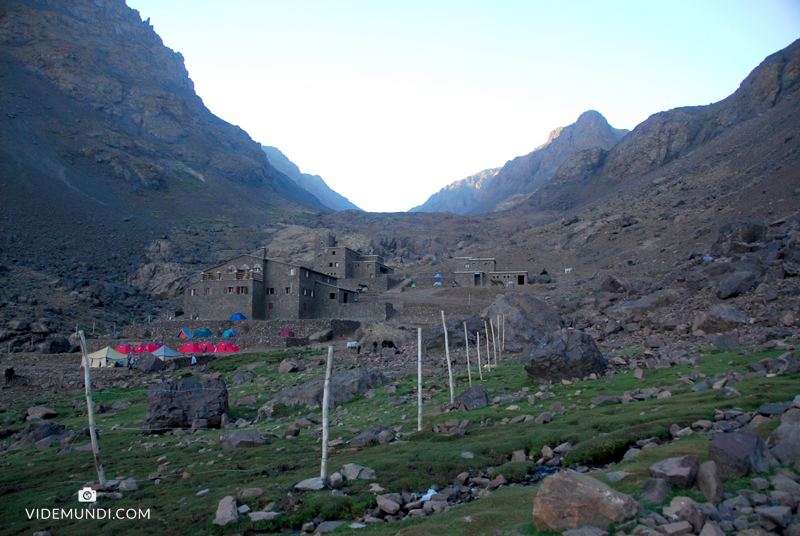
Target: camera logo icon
{"points": [[87, 495]]}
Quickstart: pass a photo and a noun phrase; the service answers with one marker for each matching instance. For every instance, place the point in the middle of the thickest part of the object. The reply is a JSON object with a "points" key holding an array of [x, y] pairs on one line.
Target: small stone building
{"points": [[351, 268], [266, 289], [483, 272]]}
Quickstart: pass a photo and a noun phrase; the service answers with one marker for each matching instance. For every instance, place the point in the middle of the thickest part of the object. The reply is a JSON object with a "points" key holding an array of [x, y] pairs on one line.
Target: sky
{"points": [[391, 101]]}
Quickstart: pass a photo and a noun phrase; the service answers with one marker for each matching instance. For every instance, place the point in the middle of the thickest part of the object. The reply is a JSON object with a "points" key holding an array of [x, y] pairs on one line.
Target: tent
{"points": [[217, 333], [200, 333], [238, 316], [230, 333], [437, 284], [124, 349], [207, 347], [184, 334], [287, 333], [190, 348], [153, 346], [165, 351], [226, 347], [139, 349], [438, 275], [101, 357]]}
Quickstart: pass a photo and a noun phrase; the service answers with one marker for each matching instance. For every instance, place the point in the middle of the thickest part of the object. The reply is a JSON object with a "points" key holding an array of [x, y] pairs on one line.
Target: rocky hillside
{"points": [[461, 196], [311, 183]]}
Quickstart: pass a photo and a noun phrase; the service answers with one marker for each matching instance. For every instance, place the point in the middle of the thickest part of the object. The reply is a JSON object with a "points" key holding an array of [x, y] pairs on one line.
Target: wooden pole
{"points": [[488, 349], [98, 465], [504, 333], [500, 350], [449, 366], [494, 341], [326, 398], [466, 341], [478, 346], [419, 379]]}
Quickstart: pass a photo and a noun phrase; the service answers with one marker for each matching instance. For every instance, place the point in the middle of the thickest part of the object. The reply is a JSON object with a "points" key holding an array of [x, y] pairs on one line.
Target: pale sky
{"points": [[390, 101]]}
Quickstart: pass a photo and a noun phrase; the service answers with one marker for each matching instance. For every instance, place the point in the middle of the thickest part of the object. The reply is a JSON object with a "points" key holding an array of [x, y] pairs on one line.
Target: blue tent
{"points": [[437, 284], [184, 334], [238, 316], [230, 333], [201, 333], [438, 275]]}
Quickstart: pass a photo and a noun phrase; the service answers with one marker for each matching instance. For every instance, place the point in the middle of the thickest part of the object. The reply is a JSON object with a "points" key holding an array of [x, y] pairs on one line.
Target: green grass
{"points": [[40, 478]]}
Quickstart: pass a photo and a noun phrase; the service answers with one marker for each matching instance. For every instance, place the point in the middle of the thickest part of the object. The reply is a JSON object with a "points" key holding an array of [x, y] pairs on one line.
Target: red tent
{"points": [[153, 346], [141, 348], [226, 347], [207, 347], [191, 348], [124, 349], [287, 333]]}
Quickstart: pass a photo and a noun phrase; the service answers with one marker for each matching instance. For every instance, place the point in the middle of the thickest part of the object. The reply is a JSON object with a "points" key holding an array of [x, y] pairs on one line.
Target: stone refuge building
{"points": [[483, 272], [265, 289], [353, 270]]}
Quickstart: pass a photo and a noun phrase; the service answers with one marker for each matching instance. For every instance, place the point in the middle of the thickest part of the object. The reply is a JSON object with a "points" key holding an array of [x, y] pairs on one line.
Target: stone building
{"points": [[352, 269], [483, 272], [264, 289]]}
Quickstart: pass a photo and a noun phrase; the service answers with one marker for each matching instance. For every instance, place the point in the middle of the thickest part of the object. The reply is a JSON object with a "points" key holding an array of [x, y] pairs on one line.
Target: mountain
{"points": [[461, 196], [312, 183]]}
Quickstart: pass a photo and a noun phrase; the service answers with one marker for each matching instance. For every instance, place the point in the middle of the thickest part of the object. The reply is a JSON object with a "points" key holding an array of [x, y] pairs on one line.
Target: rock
{"points": [[352, 471], [544, 418], [569, 500], [263, 516], [775, 408], [473, 398], [467, 455], [739, 452], [676, 529], [615, 284], [785, 484], [243, 440], [290, 365], [617, 475], [310, 484], [321, 336], [735, 284], [727, 341], [709, 482], [780, 515], [563, 355], [335, 480], [719, 319], [161, 280], [40, 412], [226, 511], [712, 528], [327, 526], [373, 435], [177, 404], [655, 491], [679, 472], [739, 237], [129, 484], [643, 305], [784, 442], [150, 363], [527, 319], [387, 505], [250, 492], [36, 431], [345, 385], [54, 345], [585, 531]]}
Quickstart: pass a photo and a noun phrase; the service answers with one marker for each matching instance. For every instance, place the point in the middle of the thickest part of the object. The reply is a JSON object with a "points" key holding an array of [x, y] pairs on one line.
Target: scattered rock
{"points": [[177, 404], [243, 440], [739, 452], [473, 398], [563, 355], [679, 472], [352, 471], [226, 511]]}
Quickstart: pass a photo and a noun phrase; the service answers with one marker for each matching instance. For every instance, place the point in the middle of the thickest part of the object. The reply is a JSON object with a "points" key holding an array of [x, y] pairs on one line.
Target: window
{"points": [[257, 267], [304, 307], [231, 269], [287, 290], [333, 253], [270, 306], [291, 271], [330, 265], [332, 296], [306, 273], [244, 268], [208, 291], [337, 264], [329, 280], [271, 290], [466, 266], [305, 292], [241, 290], [229, 290], [312, 293], [192, 292]]}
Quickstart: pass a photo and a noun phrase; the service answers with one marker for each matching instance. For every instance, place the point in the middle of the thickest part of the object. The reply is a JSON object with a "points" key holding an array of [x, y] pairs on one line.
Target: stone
{"points": [[784, 442], [226, 511], [568, 500], [544, 418], [129, 484], [739, 237], [638, 374], [563, 355], [345, 386], [711, 528], [321, 336], [527, 319], [352, 471], [679, 472], [373, 435], [467, 455], [727, 341], [35, 432], [290, 365], [643, 305], [709, 482], [244, 440], [473, 398], [518, 456], [327, 526], [739, 452], [718, 319], [785, 484], [263, 516], [310, 484], [173, 405], [40, 412], [616, 476], [735, 284], [150, 363], [775, 408], [780, 515], [655, 491], [335, 480], [387, 505], [250, 492], [585, 531]]}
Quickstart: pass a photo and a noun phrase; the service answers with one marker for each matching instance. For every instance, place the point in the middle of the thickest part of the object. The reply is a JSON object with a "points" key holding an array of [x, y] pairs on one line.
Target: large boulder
{"points": [[569, 500], [40, 412], [564, 354], [226, 511], [37, 431], [785, 440], [740, 237], [739, 452], [345, 386], [644, 305], [290, 365], [527, 319], [373, 435], [679, 472], [719, 319], [179, 404], [55, 345], [473, 398], [243, 440], [382, 331], [161, 280], [150, 363], [735, 284]]}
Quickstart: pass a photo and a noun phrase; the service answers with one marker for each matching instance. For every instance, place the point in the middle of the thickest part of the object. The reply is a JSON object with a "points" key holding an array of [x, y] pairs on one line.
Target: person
{"points": [[129, 362], [194, 360]]}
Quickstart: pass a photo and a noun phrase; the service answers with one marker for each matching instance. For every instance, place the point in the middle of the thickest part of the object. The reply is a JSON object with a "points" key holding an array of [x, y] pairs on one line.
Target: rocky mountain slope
{"points": [[461, 196], [311, 183]]}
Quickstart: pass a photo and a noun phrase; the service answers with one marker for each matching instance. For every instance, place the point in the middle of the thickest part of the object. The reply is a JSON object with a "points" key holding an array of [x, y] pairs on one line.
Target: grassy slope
{"points": [[36, 478]]}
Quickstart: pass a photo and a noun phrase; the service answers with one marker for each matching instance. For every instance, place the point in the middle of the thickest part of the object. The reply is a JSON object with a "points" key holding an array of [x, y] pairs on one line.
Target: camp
{"points": [[184, 334], [100, 358], [230, 333]]}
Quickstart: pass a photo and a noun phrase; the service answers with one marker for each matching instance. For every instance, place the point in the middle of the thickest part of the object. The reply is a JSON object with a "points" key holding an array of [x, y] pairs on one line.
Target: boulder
{"points": [[568, 500], [784, 442], [739, 237], [345, 386], [709, 482], [161, 280], [37, 431], [644, 305], [655, 490], [243, 440], [54, 345], [310, 484], [739, 452], [352, 471], [290, 365], [40, 412], [150, 363], [527, 319], [473, 398], [679, 472], [735, 284], [321, 336], [615, 284], [373, 435], [178, 404], [727, 341], [563, 355], [387, 505], [226, 511], [719, 319]]}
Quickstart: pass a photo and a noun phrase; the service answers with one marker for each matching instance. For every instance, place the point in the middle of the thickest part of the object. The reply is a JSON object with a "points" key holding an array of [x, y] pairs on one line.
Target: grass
{"points": [[43, 479]]}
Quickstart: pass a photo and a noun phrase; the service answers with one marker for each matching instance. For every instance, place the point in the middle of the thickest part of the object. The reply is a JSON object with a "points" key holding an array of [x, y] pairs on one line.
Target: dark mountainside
{"points": [[461, 196], [311, 183]]}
